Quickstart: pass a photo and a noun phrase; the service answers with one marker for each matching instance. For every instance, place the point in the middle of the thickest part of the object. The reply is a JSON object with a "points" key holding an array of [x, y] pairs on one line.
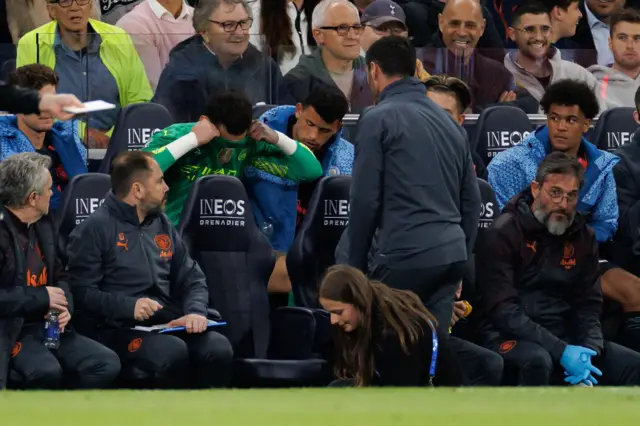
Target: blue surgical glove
{"points": [[575, 360]]}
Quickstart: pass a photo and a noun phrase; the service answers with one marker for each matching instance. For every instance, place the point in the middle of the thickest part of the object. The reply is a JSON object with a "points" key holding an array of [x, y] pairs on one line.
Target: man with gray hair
{"points": [[33, 282], [218, 58], [337, 61]]}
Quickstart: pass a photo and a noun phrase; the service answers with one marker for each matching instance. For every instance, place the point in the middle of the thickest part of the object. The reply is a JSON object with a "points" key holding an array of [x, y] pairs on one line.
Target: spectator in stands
{"points": [[39, 133], [94, 60], [565, 16], [570, 106], [538, 274], [129, 267], [383, 18], [461, 26], [218, 58], [337, 61], [224, 141], [425, 234], [621, 79], [454, 96], [537, 64], [112, 11], [282, 30], [385, 337], [32, 282], [156, 27], [593, 31]]}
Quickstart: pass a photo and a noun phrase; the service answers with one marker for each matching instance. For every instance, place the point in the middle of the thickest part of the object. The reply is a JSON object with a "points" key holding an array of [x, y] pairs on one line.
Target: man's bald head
{"points": [[461, 24]]}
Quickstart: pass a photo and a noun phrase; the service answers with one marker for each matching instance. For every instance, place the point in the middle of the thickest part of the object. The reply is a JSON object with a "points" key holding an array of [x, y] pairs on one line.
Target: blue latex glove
{"points": [[575, 360], [586, 376], [574, 380]]}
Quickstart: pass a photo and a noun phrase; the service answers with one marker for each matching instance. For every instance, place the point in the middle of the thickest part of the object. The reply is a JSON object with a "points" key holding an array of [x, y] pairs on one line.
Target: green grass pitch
{"points": [[327, 407]]}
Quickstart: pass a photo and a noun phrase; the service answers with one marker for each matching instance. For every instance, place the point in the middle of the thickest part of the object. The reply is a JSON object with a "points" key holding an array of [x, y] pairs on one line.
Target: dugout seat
{"points": [[260, 109], [614, 128], [134, 126], [84, 194], [272, 349], [500, 128], [313, 249]]}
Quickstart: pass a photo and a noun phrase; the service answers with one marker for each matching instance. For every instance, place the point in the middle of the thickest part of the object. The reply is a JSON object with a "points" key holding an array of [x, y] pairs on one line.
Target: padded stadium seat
{"points": [[313, 249], [500, 128], [7, 68], [271, 348], [84, 194], [260, 109], [614, 128], [134, 126]]}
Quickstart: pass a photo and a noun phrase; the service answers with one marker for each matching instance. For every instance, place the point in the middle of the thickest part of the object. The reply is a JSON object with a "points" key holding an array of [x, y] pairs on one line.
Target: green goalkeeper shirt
{"points": [[223, 157]]}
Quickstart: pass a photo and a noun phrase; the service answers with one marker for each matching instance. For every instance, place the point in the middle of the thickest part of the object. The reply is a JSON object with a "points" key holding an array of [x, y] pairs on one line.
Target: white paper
{"points": [[90, 107]]}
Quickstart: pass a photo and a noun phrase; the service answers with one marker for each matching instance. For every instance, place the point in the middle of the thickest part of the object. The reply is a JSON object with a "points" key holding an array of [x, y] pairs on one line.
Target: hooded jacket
{"points": [[274, 198], [194, 73], [560, 70], [538, 287], [511, 171], [65, 140], [616, 88], [311, 70]]}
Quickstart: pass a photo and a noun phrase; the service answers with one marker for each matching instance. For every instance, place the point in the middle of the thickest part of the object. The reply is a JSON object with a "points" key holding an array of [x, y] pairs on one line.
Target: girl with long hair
{"points": [[384, 336], [282, 29]]}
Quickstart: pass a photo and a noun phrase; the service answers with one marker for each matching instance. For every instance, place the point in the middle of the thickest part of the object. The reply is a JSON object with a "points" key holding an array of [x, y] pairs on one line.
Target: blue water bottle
{"points": [[52, 330]]}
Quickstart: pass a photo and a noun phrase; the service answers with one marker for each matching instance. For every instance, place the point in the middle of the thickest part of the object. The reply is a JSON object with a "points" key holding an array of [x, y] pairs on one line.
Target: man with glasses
{"points": [[384, 18], [538, 273], [95, 61], [218, 58], [537, 63], [337, 61]]}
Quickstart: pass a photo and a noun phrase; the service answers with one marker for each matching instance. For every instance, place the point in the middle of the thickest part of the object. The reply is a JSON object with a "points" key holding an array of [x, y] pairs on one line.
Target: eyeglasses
{"points": [[557, 196], [67, 3], [343, 30], [533, 30], [396, 31], [231, 26]]}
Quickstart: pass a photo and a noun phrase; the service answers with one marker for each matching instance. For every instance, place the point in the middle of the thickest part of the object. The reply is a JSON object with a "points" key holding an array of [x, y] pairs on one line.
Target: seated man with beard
{"points": [[538, 274], [128, 266]]}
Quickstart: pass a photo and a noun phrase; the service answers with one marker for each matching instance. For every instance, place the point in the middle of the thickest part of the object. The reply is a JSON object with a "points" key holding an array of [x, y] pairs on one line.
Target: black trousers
{"points": [[435, 286], [482, 366], [79, 362], [528, 364], [171, 361]]}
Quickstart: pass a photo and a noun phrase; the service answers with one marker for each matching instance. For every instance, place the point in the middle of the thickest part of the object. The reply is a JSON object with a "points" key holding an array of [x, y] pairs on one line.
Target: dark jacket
{"points": [[16, 299], [538, 287], [627, 176], [311, 71], [413, 181], [582, 42], [114, 260], [16, 100], [193, 74]]}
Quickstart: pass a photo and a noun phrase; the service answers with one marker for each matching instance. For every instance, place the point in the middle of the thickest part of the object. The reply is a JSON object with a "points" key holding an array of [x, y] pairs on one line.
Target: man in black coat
{"points": [[33, 282], [128, 267], [17, 100]]}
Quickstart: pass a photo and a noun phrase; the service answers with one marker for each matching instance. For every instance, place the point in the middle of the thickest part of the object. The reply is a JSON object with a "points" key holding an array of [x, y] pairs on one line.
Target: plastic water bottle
{"points": [[52, 330]]}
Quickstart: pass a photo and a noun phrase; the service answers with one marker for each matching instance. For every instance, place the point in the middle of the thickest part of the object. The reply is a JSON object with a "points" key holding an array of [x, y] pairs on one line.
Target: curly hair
{"points": [[570, 93], [33, 76]]}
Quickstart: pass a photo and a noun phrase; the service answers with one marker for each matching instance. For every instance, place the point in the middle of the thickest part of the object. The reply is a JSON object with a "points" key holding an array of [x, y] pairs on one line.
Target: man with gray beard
{"points": [[538, 276]]}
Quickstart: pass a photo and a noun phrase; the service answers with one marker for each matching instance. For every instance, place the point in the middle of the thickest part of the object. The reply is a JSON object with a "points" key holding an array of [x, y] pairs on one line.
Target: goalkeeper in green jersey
{"points": [[224, 141]]}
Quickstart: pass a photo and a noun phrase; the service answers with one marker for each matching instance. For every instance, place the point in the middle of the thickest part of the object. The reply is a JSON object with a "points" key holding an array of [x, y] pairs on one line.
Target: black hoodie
{"points": [[538, 287]]}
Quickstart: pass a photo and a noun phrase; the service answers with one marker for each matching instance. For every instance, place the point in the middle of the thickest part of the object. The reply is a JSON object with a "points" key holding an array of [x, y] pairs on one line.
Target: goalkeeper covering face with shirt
{"points": [[224, 141]]}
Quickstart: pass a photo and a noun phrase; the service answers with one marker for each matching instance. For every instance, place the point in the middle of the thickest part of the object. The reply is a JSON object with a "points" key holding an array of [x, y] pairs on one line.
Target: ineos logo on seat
{"points": [[336, 212], [221, 212]]}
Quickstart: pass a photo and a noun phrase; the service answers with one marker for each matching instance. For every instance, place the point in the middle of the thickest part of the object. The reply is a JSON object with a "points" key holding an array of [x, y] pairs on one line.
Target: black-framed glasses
{"points": [[68, 3], [532, 30], [343, 30], [557, 196], [232, 26]]}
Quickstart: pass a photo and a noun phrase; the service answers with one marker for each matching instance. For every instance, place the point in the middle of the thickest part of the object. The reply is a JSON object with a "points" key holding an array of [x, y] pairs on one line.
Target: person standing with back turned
{"points": [[413, 182]]}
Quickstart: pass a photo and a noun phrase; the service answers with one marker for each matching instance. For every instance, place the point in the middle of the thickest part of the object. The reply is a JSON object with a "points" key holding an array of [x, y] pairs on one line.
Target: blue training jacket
{"points": [[65, 140], [274, 200], [513, 170]]}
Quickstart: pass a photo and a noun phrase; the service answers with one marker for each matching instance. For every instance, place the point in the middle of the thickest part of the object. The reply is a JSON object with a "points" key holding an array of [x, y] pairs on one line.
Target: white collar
{"points": [[160, 11], [592, 19]]}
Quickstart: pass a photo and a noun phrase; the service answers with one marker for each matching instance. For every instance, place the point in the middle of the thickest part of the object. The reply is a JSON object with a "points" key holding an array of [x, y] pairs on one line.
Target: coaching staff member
{"points": [[413, 181], [128, 266], [32, 281]]}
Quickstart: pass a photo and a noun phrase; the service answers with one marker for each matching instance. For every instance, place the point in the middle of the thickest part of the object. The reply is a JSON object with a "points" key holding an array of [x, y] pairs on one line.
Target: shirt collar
{"points": [[94, 40], [593, 20], [160, 11]]}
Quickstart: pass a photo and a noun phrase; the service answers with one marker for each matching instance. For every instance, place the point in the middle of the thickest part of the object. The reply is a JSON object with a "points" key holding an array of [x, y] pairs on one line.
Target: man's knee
{"points": [[99, 370], [213, 346], [528, 362], [44, 374], [494, 367], [623, 287], [164, 363]]}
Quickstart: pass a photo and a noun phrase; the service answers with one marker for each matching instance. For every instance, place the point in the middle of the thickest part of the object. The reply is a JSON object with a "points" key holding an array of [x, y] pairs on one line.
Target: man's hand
{"points": [[508, 96], [205, 131], [194, 323], [63, 319], [97, 139], [54, 105], [145, 308], [261, 132], [57, 299], [459, 309]]}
